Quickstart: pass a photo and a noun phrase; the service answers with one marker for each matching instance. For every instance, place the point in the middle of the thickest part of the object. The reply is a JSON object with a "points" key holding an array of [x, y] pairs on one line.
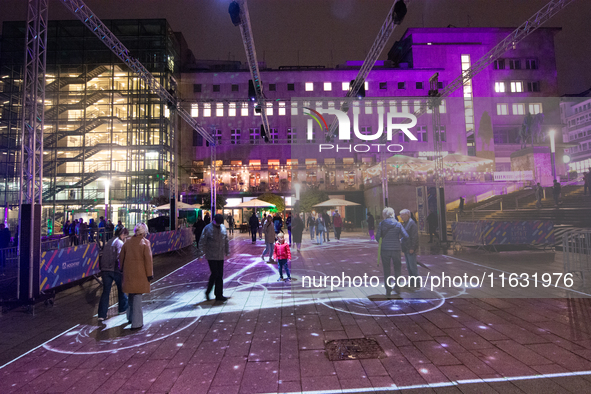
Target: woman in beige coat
{"points": [[136, 264]]}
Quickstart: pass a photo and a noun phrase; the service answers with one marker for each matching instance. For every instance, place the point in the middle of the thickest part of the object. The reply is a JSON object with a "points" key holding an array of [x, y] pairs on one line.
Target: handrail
{"points": [[488, 204], [533, 192]]}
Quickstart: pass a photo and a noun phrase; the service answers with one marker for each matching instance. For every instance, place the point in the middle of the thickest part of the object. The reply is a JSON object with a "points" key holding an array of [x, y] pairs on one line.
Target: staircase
{"points": [[86, 102], [55, 137], [56, 85], [89, 152], [80, 184]]}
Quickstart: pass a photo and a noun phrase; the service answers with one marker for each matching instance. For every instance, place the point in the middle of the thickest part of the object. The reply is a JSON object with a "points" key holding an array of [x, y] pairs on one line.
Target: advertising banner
{"points": [[531, 232], [67, 265], [169, 241], [467, 232]]}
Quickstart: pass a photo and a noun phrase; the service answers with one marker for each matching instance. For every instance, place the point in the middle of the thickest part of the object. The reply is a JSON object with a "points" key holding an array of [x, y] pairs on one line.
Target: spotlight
{"points": [[234, 11], [399, 12]]}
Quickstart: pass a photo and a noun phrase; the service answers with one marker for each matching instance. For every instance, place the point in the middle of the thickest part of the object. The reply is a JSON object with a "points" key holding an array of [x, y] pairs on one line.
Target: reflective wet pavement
{"points": [[270, 336]]}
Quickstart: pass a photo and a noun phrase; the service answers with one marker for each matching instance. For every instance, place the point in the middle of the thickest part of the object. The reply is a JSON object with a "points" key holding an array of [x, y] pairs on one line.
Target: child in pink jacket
{"points": [[281, 254]]}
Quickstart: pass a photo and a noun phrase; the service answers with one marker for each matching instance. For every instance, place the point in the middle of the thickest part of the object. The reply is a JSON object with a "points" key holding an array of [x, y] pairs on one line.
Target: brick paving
{"points": [[269, 337]]}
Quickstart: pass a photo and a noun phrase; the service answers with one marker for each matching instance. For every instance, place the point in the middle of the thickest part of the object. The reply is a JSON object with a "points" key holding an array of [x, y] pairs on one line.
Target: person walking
{"points": [[288, 225], [101, 231], [311, 223], [320, 228], [92, 230], [587, 181], [337, 222], [72, 232], [462, 201], [556, 190], [282, 254], [138, 272], [326, 233], [231, 222], [269, 232], [215, 246], [261, 222], [539, 194], [83, 232], [66, 229], [277, 223], [389, 233], [4, 244], [119, 225], [298, 230], [432, 222], [254, 224], [410, 246], [198, 229], [111, 272], [207, 218], [371, 226], [110, 228]]}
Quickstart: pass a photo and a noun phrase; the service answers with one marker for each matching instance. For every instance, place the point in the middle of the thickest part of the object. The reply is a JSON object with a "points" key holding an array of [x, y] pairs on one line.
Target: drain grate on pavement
{"points": [[353, 349]]}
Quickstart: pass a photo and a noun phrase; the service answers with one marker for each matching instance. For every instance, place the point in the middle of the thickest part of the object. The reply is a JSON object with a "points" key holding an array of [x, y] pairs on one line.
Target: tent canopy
{"points": [[179, 205], [336, 202], [255, 203]]}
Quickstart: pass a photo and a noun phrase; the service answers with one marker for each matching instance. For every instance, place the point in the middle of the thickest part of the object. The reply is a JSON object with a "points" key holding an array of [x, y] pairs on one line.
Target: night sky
{"points": [[329, 32]]}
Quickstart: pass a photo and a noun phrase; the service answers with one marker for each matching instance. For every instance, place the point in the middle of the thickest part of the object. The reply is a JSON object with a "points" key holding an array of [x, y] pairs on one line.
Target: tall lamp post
{"points": [[553, 150], [107, 184]]}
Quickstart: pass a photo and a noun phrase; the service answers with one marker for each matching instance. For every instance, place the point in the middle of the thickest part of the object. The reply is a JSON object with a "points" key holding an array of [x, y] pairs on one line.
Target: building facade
{"points": [[481, 119], [107, 138], [576, 118]]}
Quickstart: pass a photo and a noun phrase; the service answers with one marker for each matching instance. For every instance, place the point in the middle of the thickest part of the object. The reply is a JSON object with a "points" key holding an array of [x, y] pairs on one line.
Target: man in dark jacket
{"points": [[326, 233], [215, 246], [207, 218], [198, 229], [410, 247], [390, 231], [277, 223], [288, 225], [556, 190], [4, 243], [253, 223], [111, 272]]}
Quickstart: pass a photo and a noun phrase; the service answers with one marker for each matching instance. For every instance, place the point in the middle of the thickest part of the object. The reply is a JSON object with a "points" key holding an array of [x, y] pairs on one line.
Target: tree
{"points": [[160, 200], [275, 200], [220, 202], [309, 198]]}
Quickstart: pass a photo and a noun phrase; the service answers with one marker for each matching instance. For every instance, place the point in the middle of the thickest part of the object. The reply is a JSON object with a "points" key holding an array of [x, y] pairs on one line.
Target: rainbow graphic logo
{"points": [[317, 117]]}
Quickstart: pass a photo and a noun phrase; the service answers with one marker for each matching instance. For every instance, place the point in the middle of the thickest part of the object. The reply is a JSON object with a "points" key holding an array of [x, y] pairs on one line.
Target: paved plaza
{"points": [[270, 336]]}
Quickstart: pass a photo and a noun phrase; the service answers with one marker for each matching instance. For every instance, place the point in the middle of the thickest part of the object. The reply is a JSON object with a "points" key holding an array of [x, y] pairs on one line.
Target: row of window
{"points": [[516, 86], [310, 86], [581, 119], [253, 136], [580, 134], [515, 64], [218, 109], [581, 148], [519, 108], [582, 108]]}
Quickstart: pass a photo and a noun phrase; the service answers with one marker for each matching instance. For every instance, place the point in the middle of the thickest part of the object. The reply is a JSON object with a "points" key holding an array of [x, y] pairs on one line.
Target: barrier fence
{"points": [[576, 249], [487, 232]]}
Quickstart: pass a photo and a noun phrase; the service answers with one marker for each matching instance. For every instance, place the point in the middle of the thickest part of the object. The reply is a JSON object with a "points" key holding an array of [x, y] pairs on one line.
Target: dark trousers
{"points": [[391, 257], [253, 233], [108, 278], [216, 278], [586, 188], [337, 232]]}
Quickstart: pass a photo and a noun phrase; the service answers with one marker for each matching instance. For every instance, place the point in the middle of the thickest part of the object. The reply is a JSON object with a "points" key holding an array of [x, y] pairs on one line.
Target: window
{"points": [[219, 109], [270, 109], [533, 86], [365, 130], [535, 108], [368, 108], [291, 86], [272, 87], [216, 88], [502, 109], [281, 108], [515, 64], [518, 109], [499, 64], [439, 85], [291, 136], [232, 109], [401, 85], [244, 109], [419, 85], [309, 86], [194, 110], [345, 86], [402, 137], [440, 134], [253, 135], [218, 136], [235, 136], [197, 138], [500, 87], [327, 86], [531, 64], [422, 134], [196, 88], [516, 86], [235, 88], [274, 136], [294, 108], [383, 85], [366, 86], [442, 107], [207, 110]]}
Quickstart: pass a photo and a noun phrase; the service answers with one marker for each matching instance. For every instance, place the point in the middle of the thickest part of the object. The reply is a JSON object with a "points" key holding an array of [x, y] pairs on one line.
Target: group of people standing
{"points": [[127, 261], [79, 232], [320, 225]]}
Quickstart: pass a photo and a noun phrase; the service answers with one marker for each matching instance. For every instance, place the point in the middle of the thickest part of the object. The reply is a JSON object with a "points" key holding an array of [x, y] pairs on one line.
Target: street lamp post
{"points": [[107, 184], [553, 150]]}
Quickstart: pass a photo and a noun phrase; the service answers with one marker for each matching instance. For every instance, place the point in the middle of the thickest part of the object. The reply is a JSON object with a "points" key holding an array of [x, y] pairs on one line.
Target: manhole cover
{"points": [[353, 349]]}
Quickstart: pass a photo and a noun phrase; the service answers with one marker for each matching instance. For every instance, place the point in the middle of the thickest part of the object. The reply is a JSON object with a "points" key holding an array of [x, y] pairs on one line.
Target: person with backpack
{"points": [[388, 235]]}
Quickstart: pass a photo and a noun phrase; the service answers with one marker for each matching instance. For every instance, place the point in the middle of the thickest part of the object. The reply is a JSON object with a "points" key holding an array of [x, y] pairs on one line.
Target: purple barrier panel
{"points": [[518, 233], [467, 232], [169, 241], [67, 265]]}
